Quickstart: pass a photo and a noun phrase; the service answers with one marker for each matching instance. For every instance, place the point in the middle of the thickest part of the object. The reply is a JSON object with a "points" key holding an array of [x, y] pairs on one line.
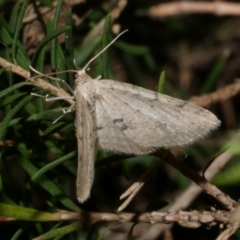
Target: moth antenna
{"points": [[36, 71], [120, 34], [54, 78]]}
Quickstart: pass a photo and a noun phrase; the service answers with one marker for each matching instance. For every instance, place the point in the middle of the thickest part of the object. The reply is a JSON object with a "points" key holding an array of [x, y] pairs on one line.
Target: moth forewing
{"points": [[124, 118], [135, 120], [86, 136]]}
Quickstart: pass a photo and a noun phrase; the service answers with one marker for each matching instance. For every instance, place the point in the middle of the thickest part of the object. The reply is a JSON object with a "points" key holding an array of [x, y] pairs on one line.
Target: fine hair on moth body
{"points": [[124, 118]]}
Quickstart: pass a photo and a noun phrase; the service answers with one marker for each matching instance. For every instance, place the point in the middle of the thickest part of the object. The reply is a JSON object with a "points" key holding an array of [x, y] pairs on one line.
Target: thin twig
{"points": [[219, 95], [176, 8], [135, 188], [227, 233], [95, 31], [36, 81], [184, 199], [199, 180], [191, 219]]}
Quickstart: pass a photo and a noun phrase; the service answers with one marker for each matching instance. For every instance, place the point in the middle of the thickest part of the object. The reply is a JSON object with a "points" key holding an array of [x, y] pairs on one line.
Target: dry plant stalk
{"points": [[219, 95], [176, 8]]}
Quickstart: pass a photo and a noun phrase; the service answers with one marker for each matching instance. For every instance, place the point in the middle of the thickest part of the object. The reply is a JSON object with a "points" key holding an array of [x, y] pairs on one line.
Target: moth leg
{"points": [[41, 96], [98, 78], [48, 99], [64, 113]]}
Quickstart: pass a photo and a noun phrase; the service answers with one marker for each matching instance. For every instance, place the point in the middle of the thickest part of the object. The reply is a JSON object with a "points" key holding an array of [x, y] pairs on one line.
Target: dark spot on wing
{"points": [[124, 127], [117, 120], [182, 104], [98, 96], [89, 105], [155, 96], [161, 125], [98, 128]]}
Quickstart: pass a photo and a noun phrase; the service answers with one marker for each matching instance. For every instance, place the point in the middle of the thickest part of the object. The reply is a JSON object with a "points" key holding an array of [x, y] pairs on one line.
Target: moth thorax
{"points": [[82, 77]]}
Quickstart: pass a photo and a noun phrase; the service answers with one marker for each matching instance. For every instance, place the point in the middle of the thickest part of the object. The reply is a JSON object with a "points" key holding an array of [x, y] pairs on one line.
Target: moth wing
{"points": [[131, 119], [86, 141]]}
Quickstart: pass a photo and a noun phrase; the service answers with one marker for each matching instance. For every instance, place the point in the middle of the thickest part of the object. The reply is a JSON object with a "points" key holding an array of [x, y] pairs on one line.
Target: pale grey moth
{"points": [[123, 118]]}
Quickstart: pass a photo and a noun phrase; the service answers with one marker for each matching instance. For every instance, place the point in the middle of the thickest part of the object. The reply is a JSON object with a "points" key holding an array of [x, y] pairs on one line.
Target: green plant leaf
{"points": [[69, 46], [18, 28], [13, 98], [12, 88], [46, 40], [6, 121], [60, 231], [53, 165], [161, 82], [105, 41], [27, 214], [20, 54], [43, 181], [82, 54], [54, 47], [132, 49]]}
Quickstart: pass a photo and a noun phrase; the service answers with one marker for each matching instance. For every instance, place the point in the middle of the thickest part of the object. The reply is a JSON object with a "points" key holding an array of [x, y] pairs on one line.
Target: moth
{"points": [[123, 118]]}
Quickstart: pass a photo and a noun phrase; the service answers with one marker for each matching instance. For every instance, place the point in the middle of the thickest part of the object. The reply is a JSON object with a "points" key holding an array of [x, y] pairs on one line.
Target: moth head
{"points": [[80, 73]]}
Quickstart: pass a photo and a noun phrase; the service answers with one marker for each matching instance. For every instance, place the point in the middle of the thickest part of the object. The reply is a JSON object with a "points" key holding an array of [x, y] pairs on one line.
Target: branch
{"points": [[212, 190], [36, 81], [171, 9], [184, 199], [191, 219], [227, 233], [218, 96]]}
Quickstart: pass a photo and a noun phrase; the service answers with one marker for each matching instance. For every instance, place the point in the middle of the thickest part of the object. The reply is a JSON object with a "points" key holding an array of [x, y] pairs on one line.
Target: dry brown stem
{"points": [[176, 8], [184, 199], [212, 190], [97, 29], [36, 81], [191, 219], [227, 233], [217, 96], [135, 188]]}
